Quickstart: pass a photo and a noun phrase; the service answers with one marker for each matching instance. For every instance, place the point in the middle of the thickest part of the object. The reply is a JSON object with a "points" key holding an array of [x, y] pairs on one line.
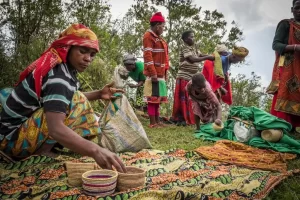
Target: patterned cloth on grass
{"points": [[169, 174], [244, 155]]}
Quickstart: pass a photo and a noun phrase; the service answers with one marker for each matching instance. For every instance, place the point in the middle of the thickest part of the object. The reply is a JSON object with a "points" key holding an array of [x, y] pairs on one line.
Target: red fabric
{"points": [[156, 62], [153, 109], [294, 120], [77, 35], [182, 107], [157, 17], [216, 81], [285, 79], [228, 97], [208, 72]]}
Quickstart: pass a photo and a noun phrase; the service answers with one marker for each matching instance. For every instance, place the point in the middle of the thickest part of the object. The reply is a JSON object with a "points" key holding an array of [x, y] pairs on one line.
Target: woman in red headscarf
{"points": [[156, 61], [46, 107]]}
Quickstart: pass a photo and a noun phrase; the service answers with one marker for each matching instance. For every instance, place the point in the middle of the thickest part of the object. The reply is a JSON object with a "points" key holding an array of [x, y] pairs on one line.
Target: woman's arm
{"points": [[148, 57], [71, 140], [194, 59], [280, 42]]}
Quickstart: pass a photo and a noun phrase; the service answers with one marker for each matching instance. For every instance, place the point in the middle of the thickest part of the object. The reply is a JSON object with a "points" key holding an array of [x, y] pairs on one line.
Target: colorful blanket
{"points": [[171, 174]]}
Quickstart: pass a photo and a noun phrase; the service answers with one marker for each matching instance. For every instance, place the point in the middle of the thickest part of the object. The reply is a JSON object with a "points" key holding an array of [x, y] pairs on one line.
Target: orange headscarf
{"points": [[75, 35]]}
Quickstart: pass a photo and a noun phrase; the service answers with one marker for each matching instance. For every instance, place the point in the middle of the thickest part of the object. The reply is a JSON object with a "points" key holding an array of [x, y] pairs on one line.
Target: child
{"points": [[205, 105]]}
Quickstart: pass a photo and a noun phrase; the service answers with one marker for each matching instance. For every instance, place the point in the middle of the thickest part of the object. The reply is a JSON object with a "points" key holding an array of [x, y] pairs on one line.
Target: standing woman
{"points": [[285, 85], [189, 64], [156, 65]]}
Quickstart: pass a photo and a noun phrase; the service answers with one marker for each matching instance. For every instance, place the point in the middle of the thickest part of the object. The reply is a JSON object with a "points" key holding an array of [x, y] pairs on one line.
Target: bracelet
{"points": [[295, 46]]}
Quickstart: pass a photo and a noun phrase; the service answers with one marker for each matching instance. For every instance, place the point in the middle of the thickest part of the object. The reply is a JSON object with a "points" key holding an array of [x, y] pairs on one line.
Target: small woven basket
{"points": [[75, 171], [99, 182], [272, 135], [133, 178], [217, 127]]}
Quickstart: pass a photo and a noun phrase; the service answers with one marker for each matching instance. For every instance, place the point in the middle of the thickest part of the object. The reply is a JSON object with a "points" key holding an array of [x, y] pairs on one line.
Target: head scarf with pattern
{"points": [[240, 51], [75, 35]]}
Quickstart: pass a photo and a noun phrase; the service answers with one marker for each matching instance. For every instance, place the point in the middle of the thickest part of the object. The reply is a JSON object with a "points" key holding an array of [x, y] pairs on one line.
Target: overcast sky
{"points": [[258, 20]]}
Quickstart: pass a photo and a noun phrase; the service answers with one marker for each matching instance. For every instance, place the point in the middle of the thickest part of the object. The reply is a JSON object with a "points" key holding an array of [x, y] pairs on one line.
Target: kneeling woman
{"points": [[205, 104]]}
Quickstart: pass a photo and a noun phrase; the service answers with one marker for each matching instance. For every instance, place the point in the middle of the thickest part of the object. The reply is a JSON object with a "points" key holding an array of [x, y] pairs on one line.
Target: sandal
{"points": [[153, 126]]}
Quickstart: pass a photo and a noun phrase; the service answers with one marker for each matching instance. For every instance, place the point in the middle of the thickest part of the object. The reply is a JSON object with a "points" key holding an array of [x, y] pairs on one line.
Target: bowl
{"points": [[272, 135], [217, 127], [99, 182], [75, 171], [133, 178]]}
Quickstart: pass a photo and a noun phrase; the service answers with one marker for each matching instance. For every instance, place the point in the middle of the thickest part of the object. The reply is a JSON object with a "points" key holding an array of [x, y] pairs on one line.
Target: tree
{"points": [[26, 30], [210, 26], [247, 91]]}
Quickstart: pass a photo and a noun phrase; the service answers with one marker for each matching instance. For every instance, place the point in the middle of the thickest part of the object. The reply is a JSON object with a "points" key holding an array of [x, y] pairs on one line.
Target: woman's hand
{"points": [[211, 58], [107, 160], [132, 85], [218, 122], [108, 91], [154, 78]]}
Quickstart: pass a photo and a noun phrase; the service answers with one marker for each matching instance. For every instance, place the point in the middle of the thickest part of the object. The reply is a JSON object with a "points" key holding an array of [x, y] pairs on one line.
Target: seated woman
{"points": [[46, 108], [136, 72], [205, 104]]}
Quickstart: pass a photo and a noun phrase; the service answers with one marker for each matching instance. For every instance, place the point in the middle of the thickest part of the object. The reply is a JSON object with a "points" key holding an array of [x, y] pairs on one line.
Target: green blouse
{"points": [[138, 74]]}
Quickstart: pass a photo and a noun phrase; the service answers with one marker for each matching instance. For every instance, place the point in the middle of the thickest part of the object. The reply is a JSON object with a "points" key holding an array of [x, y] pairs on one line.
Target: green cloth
{"points": [[261, 121], [138, 75], [162, 88], [281, 37]]}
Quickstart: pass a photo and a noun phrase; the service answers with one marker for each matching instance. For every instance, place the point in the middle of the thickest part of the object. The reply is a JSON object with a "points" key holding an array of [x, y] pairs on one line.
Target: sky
{"points": [[258, 20]]}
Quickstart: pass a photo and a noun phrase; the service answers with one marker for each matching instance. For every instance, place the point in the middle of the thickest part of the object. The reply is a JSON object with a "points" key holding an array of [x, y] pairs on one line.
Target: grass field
{"points": [[182, 137]]}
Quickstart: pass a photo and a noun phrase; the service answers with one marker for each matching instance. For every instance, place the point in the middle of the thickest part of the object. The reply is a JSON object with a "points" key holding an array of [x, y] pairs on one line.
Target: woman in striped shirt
{"points": [[46, 108]]}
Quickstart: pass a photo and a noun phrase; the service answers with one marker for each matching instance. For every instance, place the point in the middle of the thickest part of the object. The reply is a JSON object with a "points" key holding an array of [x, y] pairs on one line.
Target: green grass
{"points": [[173, 137], [182, 137]]}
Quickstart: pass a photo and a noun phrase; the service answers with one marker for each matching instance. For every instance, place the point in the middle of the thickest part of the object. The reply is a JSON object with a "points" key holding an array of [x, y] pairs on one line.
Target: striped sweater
{"points": [[155, 55], [58, 87]]}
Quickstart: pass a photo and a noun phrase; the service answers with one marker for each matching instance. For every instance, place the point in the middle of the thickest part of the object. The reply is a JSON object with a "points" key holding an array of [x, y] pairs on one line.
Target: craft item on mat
{"points": [[272, 135], [237, 153], [133, 178], [99, 182], [217, 127], [244, 130], [75, 171]]}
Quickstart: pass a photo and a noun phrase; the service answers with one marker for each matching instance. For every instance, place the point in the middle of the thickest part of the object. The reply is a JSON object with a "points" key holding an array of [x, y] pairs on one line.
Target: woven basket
{"points": [[133, 178], [217, 127], [272, 135], [75, 171], [99, 182]]}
